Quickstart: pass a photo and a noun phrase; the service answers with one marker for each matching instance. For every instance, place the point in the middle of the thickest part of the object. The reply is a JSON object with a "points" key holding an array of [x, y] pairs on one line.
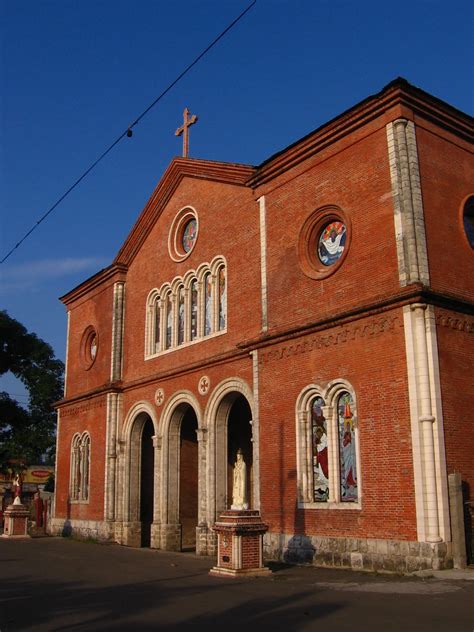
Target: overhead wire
{"points": [[128, 130]]}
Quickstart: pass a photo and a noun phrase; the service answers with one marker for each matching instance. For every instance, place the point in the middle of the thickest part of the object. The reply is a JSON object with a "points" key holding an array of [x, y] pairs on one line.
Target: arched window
{"points": [[168, 314], [80, 467], [208, 300], [194, 309], [347, 448], [157, 325], [328, 453], [85, 457], [222, 299], [319, 445], [181, 314]]}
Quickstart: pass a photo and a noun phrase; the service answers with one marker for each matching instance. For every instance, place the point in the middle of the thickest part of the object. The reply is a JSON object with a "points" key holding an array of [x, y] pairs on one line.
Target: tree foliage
{"points": [[28, 435]]}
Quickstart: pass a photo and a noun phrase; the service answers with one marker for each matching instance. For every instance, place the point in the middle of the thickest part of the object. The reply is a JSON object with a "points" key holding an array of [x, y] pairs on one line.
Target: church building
{"points": [[310, 318]]}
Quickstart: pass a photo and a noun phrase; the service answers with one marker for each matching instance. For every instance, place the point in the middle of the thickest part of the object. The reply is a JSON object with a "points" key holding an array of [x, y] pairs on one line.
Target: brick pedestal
{"points": [[16, 521], [239, 544]]}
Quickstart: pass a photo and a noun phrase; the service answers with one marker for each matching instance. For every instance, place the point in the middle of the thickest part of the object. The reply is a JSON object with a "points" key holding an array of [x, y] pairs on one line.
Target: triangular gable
{"points": [[178, 169]]}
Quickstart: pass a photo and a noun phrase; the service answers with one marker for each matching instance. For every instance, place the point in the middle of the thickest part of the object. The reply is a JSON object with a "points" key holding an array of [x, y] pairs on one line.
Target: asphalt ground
{"points": [[65, 584]]}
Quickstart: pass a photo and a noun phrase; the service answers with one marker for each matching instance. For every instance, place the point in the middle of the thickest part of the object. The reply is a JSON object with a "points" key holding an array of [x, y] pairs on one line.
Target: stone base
{"points": [[16, 521], [239, 544], [390, 556], [100, 530]]}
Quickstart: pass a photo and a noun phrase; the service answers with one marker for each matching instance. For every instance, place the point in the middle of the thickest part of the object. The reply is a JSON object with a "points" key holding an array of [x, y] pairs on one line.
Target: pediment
{"points": [[179, 168]]}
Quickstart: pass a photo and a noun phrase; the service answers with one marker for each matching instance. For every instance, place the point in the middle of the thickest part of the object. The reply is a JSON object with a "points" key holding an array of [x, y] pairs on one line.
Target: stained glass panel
{"points": [[189, 235], [331, 243], [207, 305], [157, 325], [194, 309], [180, 316], [169, 321], [319, 451], [347, 448], [222, 299]]}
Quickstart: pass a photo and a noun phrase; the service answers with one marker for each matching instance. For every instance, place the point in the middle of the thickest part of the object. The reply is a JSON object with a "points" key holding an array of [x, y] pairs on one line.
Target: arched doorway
{"points": [[180, 509], [141, 481], [146, 481], [188, 480]]}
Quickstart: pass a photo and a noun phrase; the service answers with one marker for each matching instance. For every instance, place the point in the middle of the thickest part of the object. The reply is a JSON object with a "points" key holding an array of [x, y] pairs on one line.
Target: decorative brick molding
{"points": [[341, 335]]}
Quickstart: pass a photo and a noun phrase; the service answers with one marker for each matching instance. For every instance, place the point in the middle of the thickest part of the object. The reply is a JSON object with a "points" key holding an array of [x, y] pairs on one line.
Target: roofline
{"points": [[399, 91], [92, 282]]}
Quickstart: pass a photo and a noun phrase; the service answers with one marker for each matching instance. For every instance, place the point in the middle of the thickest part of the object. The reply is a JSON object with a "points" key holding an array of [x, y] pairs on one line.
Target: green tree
{"points": [[28, 435]]}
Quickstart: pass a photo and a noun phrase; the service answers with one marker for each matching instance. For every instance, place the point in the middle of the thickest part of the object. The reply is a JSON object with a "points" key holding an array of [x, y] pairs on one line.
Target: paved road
{"points": [[62, 584]]}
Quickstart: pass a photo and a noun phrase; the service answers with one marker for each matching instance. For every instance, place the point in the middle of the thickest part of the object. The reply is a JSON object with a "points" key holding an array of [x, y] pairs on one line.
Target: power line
{"points": [[128, 131]]}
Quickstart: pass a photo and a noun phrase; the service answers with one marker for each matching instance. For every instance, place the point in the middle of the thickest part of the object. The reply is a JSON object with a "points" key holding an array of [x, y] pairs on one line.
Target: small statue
{"points": [[239, 490], [16, 489]]}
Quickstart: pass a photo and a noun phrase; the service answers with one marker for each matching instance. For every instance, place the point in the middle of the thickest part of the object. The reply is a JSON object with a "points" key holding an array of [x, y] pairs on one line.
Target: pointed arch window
{"points": [[157, 325], [328, 447]]}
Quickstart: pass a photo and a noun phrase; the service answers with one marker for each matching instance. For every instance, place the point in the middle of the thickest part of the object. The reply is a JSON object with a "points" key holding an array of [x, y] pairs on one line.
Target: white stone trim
{"points": [[408, 203], [66, 364], [114, 409], [256, 431], [263, 262], [118, 323], [429, 463]]}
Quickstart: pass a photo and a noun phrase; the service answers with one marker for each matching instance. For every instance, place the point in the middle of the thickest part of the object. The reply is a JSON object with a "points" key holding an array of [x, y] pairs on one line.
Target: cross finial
{"points": [[184, 130]]}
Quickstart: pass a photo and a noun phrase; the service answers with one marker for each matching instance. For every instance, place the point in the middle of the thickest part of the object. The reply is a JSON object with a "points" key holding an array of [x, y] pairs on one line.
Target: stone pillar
{"points": [[204, 536], [457, 520], [16, 520], [426, 420], [240, 544], [155, 536]]}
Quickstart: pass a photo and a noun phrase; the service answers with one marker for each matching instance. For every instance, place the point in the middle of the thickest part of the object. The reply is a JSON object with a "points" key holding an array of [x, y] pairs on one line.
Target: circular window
{"points": [[324, 242], [468, 220], [183, 234], [89, 347], [331, 243]]}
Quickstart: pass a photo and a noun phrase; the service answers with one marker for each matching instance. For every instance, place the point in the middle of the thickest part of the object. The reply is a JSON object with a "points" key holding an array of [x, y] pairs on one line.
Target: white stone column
{"points": [[117, 331], [426, 420], [256, 431], [263, 262], [112, 419]]}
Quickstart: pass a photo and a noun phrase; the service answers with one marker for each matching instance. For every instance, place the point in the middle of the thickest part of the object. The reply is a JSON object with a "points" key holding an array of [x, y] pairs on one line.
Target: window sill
{"points": [[330, 505], [185, 345]]}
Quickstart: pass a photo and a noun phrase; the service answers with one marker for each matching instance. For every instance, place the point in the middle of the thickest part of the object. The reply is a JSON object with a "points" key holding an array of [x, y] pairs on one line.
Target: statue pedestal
{"points": [[239, 544], [16, 521]]}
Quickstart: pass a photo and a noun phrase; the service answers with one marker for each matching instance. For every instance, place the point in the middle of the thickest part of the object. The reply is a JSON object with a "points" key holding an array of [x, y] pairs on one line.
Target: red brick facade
{"points": [[397, 170]]}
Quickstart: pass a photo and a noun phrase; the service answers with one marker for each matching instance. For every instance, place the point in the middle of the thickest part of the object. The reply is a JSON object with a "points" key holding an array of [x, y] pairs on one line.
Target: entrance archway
{"points": [[181, 474], [141, 466], [188, 480], [146, 481]]}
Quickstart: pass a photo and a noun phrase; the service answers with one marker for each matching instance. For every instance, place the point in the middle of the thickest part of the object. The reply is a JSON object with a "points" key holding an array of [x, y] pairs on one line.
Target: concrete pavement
{"points": [[63, 584]]}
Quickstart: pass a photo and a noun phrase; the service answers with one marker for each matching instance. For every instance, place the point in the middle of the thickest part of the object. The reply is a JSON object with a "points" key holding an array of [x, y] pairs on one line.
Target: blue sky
{"points": [[74, 74]]}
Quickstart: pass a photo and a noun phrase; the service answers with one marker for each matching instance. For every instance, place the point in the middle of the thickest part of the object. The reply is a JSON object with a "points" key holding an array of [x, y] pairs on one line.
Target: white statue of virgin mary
{"points": [[239, 489]]}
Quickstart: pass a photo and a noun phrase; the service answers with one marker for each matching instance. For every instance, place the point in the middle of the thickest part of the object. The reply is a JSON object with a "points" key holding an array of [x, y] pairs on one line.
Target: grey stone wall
{"points": [[391, 556]]}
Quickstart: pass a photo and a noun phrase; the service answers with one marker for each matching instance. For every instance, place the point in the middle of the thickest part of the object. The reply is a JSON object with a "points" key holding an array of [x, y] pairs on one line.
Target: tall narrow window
{"points": [[222, 299], [180, 315], [157, 325], [347, 450], [208, 311], [194, 309], [169, 320], [85, 455], [319, 445]]}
